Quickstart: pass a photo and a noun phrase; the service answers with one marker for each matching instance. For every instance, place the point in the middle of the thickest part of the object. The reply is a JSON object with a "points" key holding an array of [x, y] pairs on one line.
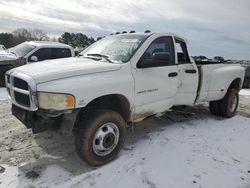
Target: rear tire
{"points": [[229, 104], [246, 83], [214, 107], [100, 137]]}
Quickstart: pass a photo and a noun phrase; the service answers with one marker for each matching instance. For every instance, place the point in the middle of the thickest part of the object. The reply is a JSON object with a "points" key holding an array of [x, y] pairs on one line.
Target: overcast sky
{"points": [[212, 27]]}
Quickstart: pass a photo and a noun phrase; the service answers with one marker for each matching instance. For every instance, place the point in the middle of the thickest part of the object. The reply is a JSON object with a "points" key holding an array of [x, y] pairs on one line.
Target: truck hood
{"points": [[7, 56], [49, 70]]}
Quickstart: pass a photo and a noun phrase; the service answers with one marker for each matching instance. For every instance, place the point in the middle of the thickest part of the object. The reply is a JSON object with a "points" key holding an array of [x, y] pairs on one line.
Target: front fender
{"points": [[86, 88]]}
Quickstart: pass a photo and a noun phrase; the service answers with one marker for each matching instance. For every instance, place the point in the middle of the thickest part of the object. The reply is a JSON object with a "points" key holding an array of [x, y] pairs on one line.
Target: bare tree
{"points": [[23, 34], [53, 39], [38, 34]]}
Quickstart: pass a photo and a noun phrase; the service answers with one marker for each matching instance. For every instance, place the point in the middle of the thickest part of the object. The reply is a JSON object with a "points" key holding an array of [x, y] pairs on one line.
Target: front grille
{"points": [[19, 83], [22, 90], [22, 99], [8, 89]]}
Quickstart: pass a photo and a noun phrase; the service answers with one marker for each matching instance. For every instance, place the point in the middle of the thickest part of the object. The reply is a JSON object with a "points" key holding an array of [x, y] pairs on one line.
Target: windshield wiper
{"points": [[13, 53], [102, 56]]}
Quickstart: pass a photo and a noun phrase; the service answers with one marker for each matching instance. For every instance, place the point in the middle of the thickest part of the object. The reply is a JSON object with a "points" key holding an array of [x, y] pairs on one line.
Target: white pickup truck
{"points": [[119, 80]]}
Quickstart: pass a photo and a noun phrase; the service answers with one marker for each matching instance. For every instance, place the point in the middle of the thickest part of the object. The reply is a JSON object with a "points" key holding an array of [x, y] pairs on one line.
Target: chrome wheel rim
{"points": [[233, 103], [106, 139]]}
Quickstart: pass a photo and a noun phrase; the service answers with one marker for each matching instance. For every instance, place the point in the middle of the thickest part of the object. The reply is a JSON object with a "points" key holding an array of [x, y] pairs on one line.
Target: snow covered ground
{"points": [[200, 153], [245, 92], [180, 150], [3, 93]]}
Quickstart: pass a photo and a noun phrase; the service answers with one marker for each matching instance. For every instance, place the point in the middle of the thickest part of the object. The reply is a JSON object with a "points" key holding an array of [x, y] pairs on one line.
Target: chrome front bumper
{"points": [[22, 90]]}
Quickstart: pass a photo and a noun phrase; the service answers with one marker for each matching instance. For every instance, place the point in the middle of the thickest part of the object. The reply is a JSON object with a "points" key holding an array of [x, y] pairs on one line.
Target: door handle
{"points": [[190, 71], [172, 74]]}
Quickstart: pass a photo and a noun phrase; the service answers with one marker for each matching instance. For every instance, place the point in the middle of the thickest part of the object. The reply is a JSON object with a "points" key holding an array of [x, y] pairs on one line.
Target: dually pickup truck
{"points": [[117, 81]]}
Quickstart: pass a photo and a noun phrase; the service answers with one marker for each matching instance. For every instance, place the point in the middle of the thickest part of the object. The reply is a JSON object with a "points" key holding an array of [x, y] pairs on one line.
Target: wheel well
{"points": [[115, 102], [236, 84], [4, 69]]}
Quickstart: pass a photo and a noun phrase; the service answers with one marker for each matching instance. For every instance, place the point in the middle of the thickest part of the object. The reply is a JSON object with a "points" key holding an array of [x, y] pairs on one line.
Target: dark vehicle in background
{"points": [[203, 58], [246, 65], [200, 58], [219, 59], [33, 51]]}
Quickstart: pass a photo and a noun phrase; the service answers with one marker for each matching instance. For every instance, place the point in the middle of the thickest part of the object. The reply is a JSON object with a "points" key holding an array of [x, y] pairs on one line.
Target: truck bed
{"points": [[214, 79]]}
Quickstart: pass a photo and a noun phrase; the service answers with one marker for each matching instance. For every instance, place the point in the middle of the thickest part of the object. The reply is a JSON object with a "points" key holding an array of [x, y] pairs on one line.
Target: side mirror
{"points": [[159, 59], [162, 56], [34, 59]]}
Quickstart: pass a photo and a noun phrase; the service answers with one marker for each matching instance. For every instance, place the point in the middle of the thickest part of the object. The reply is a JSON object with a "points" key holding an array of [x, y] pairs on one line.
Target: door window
{"points": [[161, 44], [61, 52], [51, 53], [181, 51], [42, 54]]}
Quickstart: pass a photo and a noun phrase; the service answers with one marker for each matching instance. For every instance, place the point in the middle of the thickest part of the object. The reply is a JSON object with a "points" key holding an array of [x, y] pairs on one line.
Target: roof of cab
{"points": [[48, 44], [153, 33]]}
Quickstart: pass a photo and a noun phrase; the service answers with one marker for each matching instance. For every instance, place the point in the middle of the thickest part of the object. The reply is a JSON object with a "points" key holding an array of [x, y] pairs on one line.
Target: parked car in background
{"points": [[5, 55], [33, 51], [246, 65], [200, 58], [219, 59]]}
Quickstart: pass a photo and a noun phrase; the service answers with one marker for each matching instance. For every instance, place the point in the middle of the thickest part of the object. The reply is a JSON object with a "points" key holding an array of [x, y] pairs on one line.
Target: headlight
{"points": [[55, 101]]}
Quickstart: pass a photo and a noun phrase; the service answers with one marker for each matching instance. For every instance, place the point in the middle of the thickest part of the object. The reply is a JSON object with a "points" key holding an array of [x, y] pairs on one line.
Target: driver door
{"points": [[155, 83]]}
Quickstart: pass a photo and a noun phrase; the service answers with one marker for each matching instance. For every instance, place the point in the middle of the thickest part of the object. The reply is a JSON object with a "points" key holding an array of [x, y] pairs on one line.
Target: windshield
{"points": [[22, 49], [118, 48]]}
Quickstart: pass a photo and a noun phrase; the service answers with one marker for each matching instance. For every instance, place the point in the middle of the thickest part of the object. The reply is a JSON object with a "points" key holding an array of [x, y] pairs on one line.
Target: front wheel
{"points": [[100, 137]]}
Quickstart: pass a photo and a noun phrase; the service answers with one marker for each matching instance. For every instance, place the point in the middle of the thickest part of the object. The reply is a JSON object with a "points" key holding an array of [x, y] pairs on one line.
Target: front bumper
{"points": [[40, 121]]}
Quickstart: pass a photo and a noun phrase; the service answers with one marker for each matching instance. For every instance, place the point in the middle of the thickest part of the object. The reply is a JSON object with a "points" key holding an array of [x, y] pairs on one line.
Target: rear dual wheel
{"points": [[227, 106], [246, 83]]}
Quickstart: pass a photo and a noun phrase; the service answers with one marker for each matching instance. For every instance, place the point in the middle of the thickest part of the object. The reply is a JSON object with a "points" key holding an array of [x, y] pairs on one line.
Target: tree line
{"points": [[20, 35]]}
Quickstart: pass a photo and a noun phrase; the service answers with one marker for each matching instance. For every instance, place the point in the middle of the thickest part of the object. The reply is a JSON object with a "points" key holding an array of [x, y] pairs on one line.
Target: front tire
{"points": [[100, 137]]}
